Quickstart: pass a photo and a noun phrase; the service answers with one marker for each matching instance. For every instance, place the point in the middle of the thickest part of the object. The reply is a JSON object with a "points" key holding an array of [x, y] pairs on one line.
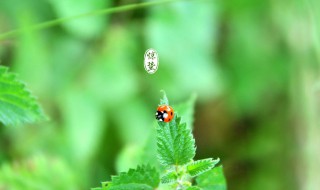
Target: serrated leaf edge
{"points": [[204, 165]]}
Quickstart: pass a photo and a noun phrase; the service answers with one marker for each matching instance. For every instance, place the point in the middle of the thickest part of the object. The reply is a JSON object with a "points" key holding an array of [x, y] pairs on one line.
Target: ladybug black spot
{"points": [[171, 113]]}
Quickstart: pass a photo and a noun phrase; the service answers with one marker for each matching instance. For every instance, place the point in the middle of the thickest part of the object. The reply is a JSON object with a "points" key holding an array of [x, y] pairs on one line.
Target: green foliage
{"points": [[213, 179], [17, 105], [175, 151], [200, 166], [134, 154], [255, 81], [144, 177]]}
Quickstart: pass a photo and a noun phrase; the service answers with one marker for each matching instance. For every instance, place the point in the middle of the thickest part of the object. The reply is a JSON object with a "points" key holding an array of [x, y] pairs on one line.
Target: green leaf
{"points": [[212, 180], [193, 188], [175, 143], [143, 177], [169, 177], [200, 166], [17, 105]]}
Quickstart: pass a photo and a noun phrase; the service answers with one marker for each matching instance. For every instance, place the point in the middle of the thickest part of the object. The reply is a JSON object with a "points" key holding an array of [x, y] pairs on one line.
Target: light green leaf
{"points": [[200, 166], [212, 180], [17, 105], [143, 177], [175, 143], [169, 177]]}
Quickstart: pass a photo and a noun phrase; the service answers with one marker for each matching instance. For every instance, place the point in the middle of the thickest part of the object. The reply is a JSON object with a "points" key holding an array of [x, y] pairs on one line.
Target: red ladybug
{"points": [[164, 113]]}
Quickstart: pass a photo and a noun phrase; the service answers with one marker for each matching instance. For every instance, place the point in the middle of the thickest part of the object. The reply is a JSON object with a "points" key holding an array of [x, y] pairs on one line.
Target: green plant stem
{"points": [[179, 178], [51, 23]]}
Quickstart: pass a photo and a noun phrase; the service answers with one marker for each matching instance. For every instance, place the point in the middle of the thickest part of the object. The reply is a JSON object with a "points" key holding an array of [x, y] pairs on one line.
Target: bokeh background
{"points": [[253, 65]]}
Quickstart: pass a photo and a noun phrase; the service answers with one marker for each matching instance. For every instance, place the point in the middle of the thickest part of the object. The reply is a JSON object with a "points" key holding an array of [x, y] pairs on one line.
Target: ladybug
{"points": [[164, 113]]}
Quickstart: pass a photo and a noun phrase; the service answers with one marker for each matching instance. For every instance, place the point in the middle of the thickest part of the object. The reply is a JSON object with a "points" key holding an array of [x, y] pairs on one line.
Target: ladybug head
{"points": [[161, 115]]}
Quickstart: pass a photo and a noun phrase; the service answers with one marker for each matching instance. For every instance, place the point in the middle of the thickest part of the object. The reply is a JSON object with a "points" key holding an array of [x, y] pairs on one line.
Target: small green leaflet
{"points": [[17, 105], [200, 166], [144, 177], [212, 180], [169, 177]]}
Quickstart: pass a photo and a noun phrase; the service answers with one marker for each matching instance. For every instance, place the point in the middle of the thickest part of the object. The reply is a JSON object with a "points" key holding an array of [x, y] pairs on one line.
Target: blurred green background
{"points": [[254, 66]]}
